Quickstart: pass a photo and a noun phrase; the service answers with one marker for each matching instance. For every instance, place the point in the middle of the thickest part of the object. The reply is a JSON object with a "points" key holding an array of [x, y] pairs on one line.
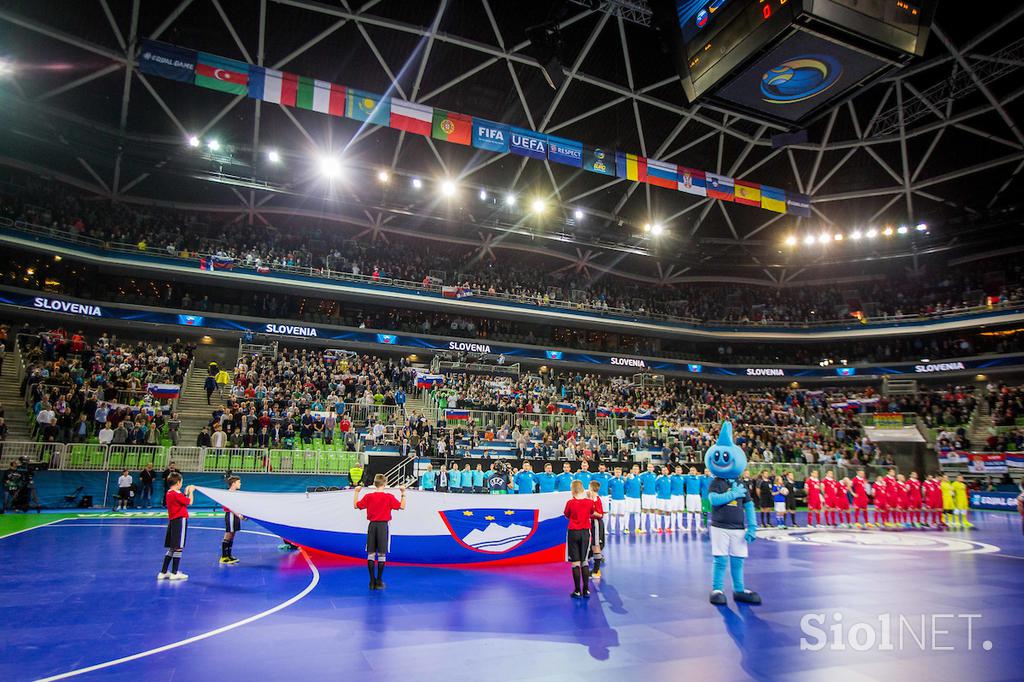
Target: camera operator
{"points": [[28, 484], [11, 484]]}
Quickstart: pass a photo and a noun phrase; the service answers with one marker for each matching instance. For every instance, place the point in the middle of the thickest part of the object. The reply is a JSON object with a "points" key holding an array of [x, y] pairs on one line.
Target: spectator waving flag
{"points": [[164, 391], [429, 380], [604, 412], [457, 414], [216, 263], [456, 292], [565, 408]]}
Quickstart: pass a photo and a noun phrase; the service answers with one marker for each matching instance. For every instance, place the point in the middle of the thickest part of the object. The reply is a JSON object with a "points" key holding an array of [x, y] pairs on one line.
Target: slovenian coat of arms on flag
{"points": [[164, 391], [492, 531]]}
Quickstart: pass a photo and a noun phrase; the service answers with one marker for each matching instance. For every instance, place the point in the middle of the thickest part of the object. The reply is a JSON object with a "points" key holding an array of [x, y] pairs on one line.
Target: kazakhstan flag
{"points": [[366, 106]]}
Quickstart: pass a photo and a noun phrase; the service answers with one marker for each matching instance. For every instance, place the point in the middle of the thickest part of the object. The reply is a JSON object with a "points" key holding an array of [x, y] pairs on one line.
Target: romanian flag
{"points": [[631, 166], [720, 187], [321, 96], [662, 174], [366, 106], [748, 193], [773, 199], [457, 414], [452, 127], [221, 73], [410, 117]]}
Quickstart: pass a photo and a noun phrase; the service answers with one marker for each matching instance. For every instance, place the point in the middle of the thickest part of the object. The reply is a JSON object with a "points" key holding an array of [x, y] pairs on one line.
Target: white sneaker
{"points": [[178, 576], [162, 576]]}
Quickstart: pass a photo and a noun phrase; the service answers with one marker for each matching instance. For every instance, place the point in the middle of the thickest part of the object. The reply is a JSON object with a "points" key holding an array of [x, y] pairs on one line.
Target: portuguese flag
{"points": [[220, 73], [452, 127]]}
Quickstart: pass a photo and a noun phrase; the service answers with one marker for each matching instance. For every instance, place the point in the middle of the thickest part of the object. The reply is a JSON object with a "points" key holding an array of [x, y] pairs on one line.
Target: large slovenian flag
{"points": [[429, 380], [720, 187], [276, 87], [456, 414], [662, 174], [565, 408], [221, 73], [411, 117], [164, 391]]}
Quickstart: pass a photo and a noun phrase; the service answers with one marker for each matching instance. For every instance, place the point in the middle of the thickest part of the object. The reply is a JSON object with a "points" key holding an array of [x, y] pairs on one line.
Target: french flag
{"points": [[164, 391], [457, 414], [566, 408]]}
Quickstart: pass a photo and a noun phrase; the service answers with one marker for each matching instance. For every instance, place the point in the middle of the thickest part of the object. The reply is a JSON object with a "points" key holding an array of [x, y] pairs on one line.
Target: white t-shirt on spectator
{"points": [[105, 435]]}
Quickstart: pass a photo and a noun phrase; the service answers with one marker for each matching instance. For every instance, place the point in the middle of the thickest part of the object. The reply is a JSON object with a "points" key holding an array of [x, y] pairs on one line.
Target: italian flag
{"points": [[314, 95], [220, 73], [412, 118], [452, 127]]}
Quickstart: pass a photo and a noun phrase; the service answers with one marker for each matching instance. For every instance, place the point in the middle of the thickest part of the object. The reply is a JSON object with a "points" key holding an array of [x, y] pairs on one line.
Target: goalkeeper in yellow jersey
{"points": [[960, 503]]}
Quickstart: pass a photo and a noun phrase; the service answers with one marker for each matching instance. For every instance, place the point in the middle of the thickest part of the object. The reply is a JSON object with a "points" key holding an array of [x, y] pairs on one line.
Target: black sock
{"points": [[225, 549], [167, 562], [174, 564], [585, 578], [369, 567], [576, 578], [597, 563], [231, 547], [380, 569]]}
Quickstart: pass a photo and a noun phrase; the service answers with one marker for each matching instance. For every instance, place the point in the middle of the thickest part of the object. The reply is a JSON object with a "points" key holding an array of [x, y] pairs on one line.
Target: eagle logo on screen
{"points": [[799, 79]]}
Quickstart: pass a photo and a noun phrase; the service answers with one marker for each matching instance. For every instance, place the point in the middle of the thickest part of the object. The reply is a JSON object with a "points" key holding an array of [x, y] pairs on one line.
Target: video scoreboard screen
{"points": [[807, 52]]}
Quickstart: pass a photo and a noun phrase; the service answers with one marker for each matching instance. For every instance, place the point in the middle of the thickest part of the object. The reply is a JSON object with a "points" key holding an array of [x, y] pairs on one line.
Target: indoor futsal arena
{"points": [[490, 340]]}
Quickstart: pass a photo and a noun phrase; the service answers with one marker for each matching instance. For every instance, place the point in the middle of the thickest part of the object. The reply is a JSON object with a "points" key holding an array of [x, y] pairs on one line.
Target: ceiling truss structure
{"points": [[893, 135]]}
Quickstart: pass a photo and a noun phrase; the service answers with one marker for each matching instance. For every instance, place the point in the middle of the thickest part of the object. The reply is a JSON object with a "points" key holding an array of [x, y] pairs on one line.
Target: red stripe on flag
{"points": [[336, 104], [227, 75], [289, 89]]}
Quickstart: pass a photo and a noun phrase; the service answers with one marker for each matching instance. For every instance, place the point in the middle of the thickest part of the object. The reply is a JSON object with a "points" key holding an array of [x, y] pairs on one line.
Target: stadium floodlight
{"points": [[902, 229], [657, 229], [483, 195], [274, 156], [790, 240], [823, 238], [447, 188], [6, 68], [213, 145], [510, 199], [809, 239], [538, 205], [647, 227], [417, 183], [872, 233], [330, 167], [577, 214], [887, 231], [383, 177], [838, 236], [856, 234], [193, 141], [921, 227]]}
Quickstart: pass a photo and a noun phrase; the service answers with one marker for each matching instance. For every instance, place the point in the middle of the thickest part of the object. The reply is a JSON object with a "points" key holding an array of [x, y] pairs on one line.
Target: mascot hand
{"points": [[738, 490], [750, 535]]}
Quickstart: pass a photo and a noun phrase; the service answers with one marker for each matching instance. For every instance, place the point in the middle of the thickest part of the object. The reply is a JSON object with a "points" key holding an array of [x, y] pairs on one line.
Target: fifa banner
{"points": [[435, 528], [888, 420], [303, 92]]}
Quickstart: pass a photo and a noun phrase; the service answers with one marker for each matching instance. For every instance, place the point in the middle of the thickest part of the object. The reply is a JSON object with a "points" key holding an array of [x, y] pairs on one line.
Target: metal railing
{"points": [[520, 299]]}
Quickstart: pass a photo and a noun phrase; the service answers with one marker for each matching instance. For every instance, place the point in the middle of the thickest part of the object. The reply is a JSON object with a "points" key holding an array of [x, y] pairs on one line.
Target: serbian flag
{"points": [[429, 380], [692, 181], [565, 408], [720, 187], [604, 412], [631, 166], [662, 174], [456, 414], [276, 87], [164, 391], [748, 193], [412, 118]]}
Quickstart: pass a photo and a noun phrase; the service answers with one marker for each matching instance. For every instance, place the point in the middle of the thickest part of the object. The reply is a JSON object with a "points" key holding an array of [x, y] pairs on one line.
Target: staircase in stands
{"points": [[15, 412], [980, 427], [192, 408]]}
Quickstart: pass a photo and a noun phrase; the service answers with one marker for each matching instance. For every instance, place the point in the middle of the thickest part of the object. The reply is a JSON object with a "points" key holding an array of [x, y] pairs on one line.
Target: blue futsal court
{"points": [[79, 598]]}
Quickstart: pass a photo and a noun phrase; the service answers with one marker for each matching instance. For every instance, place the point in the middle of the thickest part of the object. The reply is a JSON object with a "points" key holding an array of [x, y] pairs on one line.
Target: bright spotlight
{"points": [[856, 234], [887, 231], [838, 236], [510, 199], [790, 240], [417, 183], [823, 238], [657, 229], [447, 188], [383, 177], [902, 229], [274, 156], [577, 214], [647, 227], [921, 227], [193, 141], [537, 205], [213, 145], [6, 68], [330, 167], [809, 239], [872, 233], [483, 195]]}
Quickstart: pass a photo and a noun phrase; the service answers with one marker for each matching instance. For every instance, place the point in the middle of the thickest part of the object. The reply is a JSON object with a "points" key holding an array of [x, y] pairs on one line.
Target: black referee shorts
{"points": [[232, 522], [378, 540], [176, 531], [791, 502], [597, 533], [577, 545]]}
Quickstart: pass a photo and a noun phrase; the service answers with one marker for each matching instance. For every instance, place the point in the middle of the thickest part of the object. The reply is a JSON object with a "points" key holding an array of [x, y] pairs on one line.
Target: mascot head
{"points": [[725, 459]]}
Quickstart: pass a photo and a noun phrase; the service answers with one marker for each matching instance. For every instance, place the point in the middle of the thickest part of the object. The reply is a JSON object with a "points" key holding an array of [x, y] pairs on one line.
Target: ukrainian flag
{"points": [[773, 199]]}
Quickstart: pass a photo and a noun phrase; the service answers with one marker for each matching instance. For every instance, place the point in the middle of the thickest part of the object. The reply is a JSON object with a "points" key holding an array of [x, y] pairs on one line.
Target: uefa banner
{"points": [[888, 420]]}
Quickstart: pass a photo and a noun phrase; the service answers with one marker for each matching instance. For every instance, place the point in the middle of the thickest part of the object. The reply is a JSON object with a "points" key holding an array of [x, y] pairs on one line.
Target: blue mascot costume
{"points": [[733, 524]]}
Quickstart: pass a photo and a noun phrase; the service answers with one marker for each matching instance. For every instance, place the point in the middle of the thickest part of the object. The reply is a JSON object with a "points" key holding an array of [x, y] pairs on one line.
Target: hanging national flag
{"points": [[452, 127], [490, 136], [720, 187], [798, 204], [410, 117], [631, 166], [661, 174], [273, 86], [773, 199], [456, 414], [565, 152], [321, 96], [164, 391], [748, 193], [366, 106], [429, 380], [221, 73], [692, 181], [528, 143], [206, 264], [167, 61], [597, 160]]}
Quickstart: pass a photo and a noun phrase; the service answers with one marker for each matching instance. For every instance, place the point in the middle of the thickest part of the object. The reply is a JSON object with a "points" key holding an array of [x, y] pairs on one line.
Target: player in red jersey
{"points": [[892, 508], [378, 506], [914, 499], [881, 494], [830, 490], [813, 486], [859, 486], [177, 526], [933, 500], [902, 501], [843, 502], [579, 509]]}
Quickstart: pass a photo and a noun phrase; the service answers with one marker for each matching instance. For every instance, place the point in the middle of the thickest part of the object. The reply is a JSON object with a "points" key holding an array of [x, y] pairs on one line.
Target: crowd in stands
{"points": [[79, 388], [533, 277]]}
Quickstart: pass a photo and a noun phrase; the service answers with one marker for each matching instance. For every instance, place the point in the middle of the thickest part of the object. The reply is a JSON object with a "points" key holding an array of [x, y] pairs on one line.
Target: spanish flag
{"points": [[748, 193], [631, 166]]}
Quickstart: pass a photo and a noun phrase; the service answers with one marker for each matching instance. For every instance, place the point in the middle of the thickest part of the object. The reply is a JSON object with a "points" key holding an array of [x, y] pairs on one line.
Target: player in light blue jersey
{"points": [[648, 498], [678, 506], [563, 481], [546, 480], [525, 480], [663, 501], [583, 475], [602, 477], [694, 486], [478, 479], [427, 478], [617, 504], [454, 479], [634, 490]]}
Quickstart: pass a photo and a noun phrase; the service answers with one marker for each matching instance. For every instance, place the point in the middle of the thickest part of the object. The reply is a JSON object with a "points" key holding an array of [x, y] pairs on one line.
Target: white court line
{"points": [[174, 645], [25, 530]]}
